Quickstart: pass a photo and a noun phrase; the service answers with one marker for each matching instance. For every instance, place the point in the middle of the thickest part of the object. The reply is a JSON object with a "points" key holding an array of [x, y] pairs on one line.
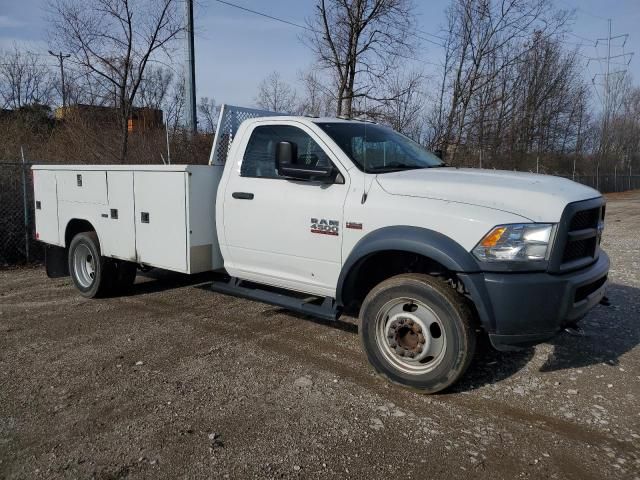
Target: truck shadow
{"points": [[609, 333], [490, 366], [158, 280], [345, 323]]}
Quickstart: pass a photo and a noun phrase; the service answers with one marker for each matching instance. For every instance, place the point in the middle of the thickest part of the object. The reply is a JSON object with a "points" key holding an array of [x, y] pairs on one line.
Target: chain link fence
{"points": [[17, 214], [609, 183]]}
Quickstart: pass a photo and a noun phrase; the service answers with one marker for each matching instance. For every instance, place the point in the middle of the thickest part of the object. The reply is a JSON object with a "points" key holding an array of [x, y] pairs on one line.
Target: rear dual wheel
{"points": [[95, 275], [417, 332]]}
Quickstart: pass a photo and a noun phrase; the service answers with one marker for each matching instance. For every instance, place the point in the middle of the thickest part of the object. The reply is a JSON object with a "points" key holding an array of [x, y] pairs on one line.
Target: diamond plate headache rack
{"points": [[229, 120]]}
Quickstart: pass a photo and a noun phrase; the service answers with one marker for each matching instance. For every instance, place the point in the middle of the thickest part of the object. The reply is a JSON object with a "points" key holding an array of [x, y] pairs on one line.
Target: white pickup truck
{"points": [[327, 217]]}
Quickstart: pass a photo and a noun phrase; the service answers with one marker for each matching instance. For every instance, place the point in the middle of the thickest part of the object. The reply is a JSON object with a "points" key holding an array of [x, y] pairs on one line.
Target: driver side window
{"points": [[260, 155]]}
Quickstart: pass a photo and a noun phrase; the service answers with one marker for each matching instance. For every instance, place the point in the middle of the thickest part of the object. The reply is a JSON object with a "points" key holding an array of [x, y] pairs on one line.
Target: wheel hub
{"points": [[411, 335], [406, 337], [84, 266]]}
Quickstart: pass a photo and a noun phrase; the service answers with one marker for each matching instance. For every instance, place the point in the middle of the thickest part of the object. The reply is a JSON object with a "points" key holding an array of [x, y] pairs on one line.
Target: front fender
{"points": [[421, 241]]}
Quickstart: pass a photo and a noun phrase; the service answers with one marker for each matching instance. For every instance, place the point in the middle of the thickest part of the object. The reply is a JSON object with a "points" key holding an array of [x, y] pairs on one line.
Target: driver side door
{"points": [[283, 232]]}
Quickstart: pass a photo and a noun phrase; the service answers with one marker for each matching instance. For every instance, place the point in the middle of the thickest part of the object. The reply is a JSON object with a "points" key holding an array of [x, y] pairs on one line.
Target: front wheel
{"points": [[417, 332]]}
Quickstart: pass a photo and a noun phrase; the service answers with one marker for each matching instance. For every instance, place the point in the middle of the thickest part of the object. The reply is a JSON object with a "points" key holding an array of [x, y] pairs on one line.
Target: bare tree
{"points": [[316, 99], [114, 41], [207, 111], [82, 88], [358, 42], [174, 105], [483, 40], [154, 87], [276, 95], [403, 105], [24, 79]]}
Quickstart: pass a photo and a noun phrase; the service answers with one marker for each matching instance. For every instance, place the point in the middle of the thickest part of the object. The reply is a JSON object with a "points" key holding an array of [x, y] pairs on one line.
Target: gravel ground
{"points": [[174, 381]]}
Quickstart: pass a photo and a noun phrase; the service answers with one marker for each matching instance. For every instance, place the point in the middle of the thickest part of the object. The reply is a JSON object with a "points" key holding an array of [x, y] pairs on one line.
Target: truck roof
{"points": [[231, 117]]}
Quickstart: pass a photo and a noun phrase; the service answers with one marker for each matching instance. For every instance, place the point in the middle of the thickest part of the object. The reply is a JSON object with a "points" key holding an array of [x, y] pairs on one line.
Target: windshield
{"points": [[377, 149]]}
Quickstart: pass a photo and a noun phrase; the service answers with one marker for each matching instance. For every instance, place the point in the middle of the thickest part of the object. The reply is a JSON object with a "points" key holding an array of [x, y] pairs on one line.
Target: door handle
{"points": [[242, 195]]}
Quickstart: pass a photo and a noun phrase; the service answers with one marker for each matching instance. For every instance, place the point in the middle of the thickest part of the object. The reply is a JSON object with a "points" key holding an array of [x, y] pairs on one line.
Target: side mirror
{"points": [[286, 157], [286, 152]]}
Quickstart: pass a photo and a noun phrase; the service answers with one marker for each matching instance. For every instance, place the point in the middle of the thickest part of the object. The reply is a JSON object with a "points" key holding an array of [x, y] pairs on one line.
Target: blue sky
{"points": [[235, 50]]}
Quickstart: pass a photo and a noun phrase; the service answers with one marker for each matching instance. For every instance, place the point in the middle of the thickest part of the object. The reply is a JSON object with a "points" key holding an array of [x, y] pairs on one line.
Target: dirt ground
{"points": [[174, 381]]}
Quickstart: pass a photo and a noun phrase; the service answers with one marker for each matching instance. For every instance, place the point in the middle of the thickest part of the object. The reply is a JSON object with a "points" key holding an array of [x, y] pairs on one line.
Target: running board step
{"points": [[281, 298]]}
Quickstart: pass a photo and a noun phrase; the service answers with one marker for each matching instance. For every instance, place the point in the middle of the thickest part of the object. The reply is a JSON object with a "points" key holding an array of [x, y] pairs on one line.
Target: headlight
{"points": [[520, 242]]}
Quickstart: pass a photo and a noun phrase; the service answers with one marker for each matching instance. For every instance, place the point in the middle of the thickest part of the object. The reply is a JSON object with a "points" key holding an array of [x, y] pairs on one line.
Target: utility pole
{"points": [[578, 142], [606, 96], [190, 81], [606, 92], [61, 58]]}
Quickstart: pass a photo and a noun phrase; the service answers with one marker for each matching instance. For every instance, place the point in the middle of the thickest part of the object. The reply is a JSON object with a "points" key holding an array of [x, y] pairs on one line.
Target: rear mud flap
{"points": [[56, 261]]}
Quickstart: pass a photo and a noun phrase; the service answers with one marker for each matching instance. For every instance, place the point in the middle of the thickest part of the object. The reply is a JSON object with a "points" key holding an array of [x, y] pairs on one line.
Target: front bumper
{"points": [[522, 309]]}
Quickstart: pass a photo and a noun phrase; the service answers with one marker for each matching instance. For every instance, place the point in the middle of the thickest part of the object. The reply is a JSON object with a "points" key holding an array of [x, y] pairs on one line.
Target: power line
{"points": [[429, 41], [590, 13], [590, 40], [433, 35], [266, 15], [304, 27], [583, 11]]}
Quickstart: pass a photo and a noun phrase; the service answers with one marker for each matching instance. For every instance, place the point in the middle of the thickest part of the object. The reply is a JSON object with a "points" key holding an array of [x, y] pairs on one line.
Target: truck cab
{"points": [[329, 217]]}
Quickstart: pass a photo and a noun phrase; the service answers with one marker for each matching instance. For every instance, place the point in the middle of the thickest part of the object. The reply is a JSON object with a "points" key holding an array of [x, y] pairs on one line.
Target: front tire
{"points": [[417, 332], [92, 274]]}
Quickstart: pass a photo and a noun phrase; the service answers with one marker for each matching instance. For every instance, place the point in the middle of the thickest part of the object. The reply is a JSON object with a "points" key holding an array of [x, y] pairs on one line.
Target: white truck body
{"points": [[280, 225], [157, 215]]}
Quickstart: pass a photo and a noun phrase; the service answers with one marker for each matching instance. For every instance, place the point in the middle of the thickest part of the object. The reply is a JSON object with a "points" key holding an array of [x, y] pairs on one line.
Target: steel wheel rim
{"points": [[84, 266], [410, 336]]}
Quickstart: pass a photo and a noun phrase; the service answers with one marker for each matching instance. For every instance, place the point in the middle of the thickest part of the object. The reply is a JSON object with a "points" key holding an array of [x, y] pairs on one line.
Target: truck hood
{"points": [[540, 198]]}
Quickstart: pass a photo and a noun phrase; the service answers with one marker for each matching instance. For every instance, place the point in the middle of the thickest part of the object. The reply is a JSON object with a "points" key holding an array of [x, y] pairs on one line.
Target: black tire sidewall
{"points": [[90, 240], [458, 348]]}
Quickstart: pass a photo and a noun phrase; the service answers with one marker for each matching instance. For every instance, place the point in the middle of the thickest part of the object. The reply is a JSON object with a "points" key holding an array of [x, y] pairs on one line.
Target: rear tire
{"points": [[92, 274], [417, 332]]}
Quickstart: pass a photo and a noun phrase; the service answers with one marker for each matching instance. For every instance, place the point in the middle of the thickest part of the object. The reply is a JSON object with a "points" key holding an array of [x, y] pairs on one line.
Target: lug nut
{"points": [[411, 354], [393, 344], [418, 329], [400, 351], [421, 339]]}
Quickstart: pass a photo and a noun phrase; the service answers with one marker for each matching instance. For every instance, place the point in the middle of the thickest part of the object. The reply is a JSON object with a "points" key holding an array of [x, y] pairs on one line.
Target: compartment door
{"points": [[160, 219], [46, 206], [118, 233], [83, 186]]}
